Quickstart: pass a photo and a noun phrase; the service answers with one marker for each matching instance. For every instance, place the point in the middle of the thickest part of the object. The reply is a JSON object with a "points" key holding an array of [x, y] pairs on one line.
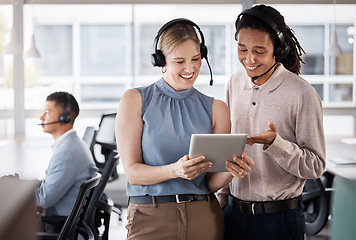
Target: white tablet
{"points": [[217, 148]]}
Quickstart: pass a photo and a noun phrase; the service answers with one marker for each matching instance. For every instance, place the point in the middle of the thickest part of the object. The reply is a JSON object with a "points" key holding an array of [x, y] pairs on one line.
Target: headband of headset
{"points": [[158, 59], [65, 117], [281, 50]]}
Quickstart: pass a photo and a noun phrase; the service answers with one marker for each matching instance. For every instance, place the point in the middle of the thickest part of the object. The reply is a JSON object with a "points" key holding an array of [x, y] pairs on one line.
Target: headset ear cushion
{"points": [[280, 52], [285, 51], [158, 59], [65, 117], [277, 52], [203, 51], [154, 59]]}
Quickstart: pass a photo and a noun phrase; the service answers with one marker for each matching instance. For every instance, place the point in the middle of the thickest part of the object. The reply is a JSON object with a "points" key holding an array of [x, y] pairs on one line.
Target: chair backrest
{"points": [[106, 128], [89, 136], [96, 206], [103, 141], [81, 204]]}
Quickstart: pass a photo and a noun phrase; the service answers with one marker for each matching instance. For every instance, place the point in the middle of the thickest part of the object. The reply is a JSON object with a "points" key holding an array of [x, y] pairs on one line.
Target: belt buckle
{"points": [[181, 201], [252, 207]]}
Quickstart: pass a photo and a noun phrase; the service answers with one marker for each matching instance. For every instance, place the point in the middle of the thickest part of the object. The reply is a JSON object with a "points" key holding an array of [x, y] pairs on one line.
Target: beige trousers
{"points": [[176, 221]]}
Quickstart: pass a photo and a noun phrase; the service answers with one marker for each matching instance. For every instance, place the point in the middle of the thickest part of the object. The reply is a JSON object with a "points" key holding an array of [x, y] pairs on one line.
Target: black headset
{"points": [[158, 59], [280, 50], [65, 117]]}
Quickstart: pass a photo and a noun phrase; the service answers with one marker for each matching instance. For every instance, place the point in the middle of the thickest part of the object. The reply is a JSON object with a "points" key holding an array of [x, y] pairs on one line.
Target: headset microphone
{"points": [[43, 124], [257, 77], [211, 73]]}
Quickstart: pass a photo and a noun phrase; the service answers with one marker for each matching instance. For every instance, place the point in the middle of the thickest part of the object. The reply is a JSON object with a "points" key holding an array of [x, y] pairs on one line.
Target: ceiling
{"points": [[245, 2]]}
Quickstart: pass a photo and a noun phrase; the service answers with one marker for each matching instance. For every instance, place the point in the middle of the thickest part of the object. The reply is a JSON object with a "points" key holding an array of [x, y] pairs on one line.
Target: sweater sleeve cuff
{"points": [[275, 147]]}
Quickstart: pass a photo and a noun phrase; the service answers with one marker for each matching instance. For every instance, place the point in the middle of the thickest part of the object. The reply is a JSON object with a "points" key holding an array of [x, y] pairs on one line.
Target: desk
{"points": [[336, 148], [343, 197], [18, 209]]}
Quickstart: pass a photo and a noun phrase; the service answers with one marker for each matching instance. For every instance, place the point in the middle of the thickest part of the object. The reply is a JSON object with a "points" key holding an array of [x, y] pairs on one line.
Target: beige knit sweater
{"points": [[297, 153]]}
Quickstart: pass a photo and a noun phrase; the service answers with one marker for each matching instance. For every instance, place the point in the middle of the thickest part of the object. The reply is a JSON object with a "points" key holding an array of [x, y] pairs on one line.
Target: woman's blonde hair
{"points": [[176, 35]]}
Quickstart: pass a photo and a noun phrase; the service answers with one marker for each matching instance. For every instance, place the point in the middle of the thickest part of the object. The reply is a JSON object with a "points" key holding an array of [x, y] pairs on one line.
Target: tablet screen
{"points": [[217, 148]]}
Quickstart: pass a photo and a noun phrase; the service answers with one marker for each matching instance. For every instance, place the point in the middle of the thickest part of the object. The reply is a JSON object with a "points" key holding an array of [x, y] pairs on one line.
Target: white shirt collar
{"points": [[58, 140]]}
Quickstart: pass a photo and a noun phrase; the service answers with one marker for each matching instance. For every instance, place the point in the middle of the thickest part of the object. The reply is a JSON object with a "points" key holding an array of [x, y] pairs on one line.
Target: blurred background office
{"points": [[96, 49]]}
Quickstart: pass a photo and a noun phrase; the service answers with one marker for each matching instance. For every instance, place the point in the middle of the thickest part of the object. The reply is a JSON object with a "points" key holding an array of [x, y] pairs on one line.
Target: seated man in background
{"points": [[71, 163]]}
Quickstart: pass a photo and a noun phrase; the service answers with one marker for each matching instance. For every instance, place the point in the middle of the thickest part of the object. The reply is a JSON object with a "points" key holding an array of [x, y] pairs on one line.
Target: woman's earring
{"points": [[164, 69]]}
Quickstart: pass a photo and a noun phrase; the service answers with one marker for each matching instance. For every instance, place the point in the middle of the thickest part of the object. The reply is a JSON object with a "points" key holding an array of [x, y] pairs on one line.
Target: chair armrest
{"points": [[47, 236], [54, 220], [106, 207]]}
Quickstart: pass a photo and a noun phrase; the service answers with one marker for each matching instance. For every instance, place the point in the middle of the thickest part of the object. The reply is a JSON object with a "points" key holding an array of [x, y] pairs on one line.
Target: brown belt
{"points": [[253, 208]]}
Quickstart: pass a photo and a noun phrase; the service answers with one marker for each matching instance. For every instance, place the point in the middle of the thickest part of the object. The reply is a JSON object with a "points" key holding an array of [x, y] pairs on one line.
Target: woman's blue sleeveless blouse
{"points": [[169, 120]]}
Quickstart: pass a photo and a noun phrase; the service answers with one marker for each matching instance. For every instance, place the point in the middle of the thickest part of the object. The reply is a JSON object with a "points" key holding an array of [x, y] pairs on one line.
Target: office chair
{"points": [[102, 143], [316, 200], [97, 216], [90, 136], [74, 221]]}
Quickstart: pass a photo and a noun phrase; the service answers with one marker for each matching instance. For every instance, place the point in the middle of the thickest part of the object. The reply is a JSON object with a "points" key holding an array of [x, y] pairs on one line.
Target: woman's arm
{"points": [[128, 130]]}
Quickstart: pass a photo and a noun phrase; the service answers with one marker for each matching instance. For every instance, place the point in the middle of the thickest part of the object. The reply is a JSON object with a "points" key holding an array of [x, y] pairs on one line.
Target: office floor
{"points": [[30, 158], [117, 228], [322, 235]]}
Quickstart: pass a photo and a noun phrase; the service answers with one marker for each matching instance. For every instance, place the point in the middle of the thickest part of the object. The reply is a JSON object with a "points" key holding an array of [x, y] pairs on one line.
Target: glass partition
{"points": [[106, 49], [343, 65], [311, 38]]}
